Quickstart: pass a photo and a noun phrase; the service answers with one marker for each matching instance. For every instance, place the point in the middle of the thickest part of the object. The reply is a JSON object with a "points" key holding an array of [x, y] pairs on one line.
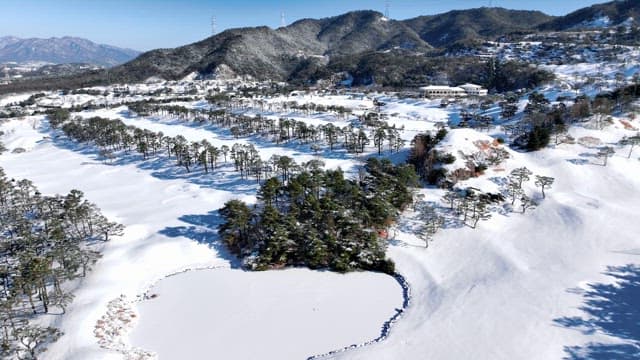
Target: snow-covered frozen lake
{"points": [[287, 314]]}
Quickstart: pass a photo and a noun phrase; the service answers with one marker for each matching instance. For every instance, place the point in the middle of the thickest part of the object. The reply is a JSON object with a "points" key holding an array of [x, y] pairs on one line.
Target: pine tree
{"points": [[514, 190], [378, 138], [605, 153], [432, 222], [235, 228], [480, 212], [632, 142], [527, 203], [268, 192], [520, 175], [544, 182]]}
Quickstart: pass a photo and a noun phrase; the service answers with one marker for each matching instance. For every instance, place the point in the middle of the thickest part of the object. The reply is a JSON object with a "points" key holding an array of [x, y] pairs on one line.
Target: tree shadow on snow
{"points": [[579, 161], [203, 229], [586, 159], [260, 141], [613, 310], [161, 166]]}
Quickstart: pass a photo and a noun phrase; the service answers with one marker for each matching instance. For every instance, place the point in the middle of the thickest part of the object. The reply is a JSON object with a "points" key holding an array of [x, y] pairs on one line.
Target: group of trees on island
{"points": [[45, 241], [320, 219]]}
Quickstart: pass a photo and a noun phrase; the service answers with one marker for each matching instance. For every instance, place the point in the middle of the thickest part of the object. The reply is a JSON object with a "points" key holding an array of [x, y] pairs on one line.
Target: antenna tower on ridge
{"points": [[213, 25], [283, 20], [387, 6]]}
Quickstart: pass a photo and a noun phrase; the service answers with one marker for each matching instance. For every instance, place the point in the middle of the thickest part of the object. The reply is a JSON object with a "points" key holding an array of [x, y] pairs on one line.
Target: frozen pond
{"points": [[289, 314]]}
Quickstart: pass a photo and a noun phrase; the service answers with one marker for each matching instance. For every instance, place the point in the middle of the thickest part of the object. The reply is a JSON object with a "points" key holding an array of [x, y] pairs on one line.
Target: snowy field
{"points": [[502, 291], [509, 289], [171, 220], [289, 314]]}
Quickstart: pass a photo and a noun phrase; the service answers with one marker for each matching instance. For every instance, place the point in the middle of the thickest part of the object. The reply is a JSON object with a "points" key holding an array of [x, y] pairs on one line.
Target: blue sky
{"points": [[149, 24]]}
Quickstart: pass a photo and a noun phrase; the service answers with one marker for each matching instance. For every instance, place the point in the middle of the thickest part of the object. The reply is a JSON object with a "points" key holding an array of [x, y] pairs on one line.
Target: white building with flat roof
{"points": [[474, 90], [439, 91]]}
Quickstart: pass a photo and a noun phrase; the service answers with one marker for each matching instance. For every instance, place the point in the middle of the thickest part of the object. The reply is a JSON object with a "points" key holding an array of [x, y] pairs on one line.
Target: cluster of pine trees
{"points": [[112, 135], [543, 121], [470, 205], [249, 100], [319, 219], [283, 130], [45, 241], [539, 122]]}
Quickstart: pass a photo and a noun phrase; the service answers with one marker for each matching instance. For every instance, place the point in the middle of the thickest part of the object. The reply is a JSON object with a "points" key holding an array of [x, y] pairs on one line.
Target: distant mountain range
{"points": [[263, 52], [62, 50], [359, 42], [281, 53]]}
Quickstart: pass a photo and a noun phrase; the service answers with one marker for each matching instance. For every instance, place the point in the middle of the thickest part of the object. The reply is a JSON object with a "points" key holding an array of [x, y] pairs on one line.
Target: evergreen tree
{"points": [[605, 153], [538, 138], [235, 228], [632, 142], [520, 175], [544, 182]]}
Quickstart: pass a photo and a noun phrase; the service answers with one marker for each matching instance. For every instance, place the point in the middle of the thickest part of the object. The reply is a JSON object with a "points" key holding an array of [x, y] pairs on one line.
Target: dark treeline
{"points": [[45, 241], [320, 219], [388, 69], [91, 78], [394, 69]]}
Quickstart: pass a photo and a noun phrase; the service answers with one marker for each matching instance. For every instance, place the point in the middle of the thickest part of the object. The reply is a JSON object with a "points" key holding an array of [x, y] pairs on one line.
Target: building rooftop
{"points": [[441, 87], [470, 86]]}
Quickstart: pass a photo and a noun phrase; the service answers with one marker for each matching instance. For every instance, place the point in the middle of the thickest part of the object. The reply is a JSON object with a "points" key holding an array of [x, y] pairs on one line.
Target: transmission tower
{"points": [[283, 20], [387, 6], [214, 23]]}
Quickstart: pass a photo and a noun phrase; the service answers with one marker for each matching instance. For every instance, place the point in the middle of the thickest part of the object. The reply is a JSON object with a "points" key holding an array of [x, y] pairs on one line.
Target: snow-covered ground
{"points": [[6, 100], [170, 218], [495, 292], [501, 291], [160, 236], [289, 314]]}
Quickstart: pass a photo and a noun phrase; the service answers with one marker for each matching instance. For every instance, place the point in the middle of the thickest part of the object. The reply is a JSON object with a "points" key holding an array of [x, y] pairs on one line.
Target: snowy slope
{"points": [[494, 292]]}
